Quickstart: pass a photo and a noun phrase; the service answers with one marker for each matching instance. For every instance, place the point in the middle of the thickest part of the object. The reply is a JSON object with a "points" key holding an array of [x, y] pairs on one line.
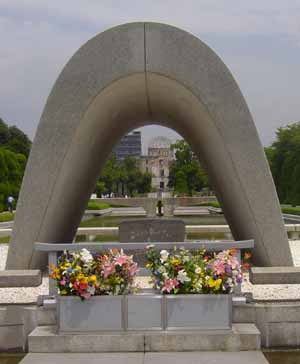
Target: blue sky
{"points": [[259, 41]]}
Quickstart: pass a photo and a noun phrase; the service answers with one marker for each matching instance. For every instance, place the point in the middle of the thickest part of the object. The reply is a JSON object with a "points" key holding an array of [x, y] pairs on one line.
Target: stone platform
{"points": [[242, 337], [246, 357]]}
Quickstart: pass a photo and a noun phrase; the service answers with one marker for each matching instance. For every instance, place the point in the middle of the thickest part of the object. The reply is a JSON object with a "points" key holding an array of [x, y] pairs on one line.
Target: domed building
{"points": [[158, 161]]}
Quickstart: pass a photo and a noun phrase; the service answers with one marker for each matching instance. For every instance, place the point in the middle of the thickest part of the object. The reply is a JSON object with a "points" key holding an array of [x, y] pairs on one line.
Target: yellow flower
{"points": [[218, 284], [84, 280], [175, 261], [93, 279], [215, 284], [211, 283], [80, 276]]}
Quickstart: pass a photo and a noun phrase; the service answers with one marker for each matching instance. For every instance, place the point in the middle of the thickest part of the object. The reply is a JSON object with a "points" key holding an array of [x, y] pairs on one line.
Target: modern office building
{"points": [[129, 145]]}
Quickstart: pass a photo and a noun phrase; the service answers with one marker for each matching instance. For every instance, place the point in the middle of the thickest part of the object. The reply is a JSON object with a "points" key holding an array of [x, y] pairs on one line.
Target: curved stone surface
{"points": [[129, 76]]}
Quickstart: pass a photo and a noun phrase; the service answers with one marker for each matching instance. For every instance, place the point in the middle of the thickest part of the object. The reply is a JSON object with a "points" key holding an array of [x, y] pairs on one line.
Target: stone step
{"points": [[44, 339], [20, 278], [245, 357]]}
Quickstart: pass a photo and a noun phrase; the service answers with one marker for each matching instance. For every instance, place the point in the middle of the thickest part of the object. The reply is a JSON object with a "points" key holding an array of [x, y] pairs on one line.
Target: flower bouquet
{"points": [[84, 274], [181, 272]]}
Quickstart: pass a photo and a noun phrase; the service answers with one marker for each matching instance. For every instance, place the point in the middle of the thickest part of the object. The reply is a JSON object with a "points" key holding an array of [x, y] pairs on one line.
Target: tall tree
{"points": [[18, 141], [109, 175], [123, 178], [4, 133], [186, 174], [14, 139], [12, 167], [284, 159], [14, 150]]}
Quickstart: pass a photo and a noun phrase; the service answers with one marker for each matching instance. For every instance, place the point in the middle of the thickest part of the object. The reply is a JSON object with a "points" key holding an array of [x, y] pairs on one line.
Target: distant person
{"points": [[159, 207], [10, 203]]}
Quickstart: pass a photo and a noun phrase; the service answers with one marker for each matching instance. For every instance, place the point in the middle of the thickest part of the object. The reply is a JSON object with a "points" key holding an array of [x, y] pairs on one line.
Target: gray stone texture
{"points": [[144, 312], [152, 230], [274, 275], [242, 337], [95, 314], [249, 357], [44, 339], [278, 323], [203, 311], [11, 338], [126, 77], [122, 313], [217, 357], [20, 278]]}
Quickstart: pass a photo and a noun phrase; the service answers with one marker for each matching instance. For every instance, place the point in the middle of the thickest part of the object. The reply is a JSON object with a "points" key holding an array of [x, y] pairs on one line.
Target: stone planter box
{"points": [[199, 311], [144, 312]]}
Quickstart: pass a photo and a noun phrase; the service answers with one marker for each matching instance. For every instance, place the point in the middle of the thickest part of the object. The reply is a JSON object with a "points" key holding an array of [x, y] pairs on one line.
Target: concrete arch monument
{"points": [[132, 75]]}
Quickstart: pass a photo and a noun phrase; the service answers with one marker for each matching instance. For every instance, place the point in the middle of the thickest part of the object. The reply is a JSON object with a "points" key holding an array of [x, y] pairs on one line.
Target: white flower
{"points": [[198, 270], [85, 256], [182, 276], [91, 290], [186, 258], [198, 286], [164, 256], [165, 275], [162, 269]]}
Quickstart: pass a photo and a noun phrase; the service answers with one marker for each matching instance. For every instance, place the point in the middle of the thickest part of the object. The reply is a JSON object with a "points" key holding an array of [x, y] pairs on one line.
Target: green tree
{"points": [[123, 178], [130, 165], [12, 166], [14, 139], [180, 182], [100, 188], [4, 133], [109, 175], [284, 160], [18, 141], [186, 174], [143, 183]]}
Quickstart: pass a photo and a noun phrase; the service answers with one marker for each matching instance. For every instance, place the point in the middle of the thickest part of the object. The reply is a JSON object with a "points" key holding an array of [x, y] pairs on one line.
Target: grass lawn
{"points": [[93, 205], [4, 240], [291, 210], [285, 209], [6, 216], [208, 203], [103, 221]]}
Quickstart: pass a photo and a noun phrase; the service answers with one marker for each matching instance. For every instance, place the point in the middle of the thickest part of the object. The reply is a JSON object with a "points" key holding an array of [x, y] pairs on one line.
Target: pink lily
{"points": [[169, 285]]}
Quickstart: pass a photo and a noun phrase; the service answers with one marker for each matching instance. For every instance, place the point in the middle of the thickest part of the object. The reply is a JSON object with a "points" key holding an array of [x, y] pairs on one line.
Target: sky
{"points": [[258, 40]]}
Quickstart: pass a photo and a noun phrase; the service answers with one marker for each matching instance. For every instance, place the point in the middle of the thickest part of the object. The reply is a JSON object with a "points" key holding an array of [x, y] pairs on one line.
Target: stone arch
{"points": [[125, 77]]}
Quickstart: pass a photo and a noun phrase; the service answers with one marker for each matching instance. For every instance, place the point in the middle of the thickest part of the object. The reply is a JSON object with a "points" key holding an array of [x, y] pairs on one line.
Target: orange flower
{"points": [[233, 252], [246, 266], [247, 255]]}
